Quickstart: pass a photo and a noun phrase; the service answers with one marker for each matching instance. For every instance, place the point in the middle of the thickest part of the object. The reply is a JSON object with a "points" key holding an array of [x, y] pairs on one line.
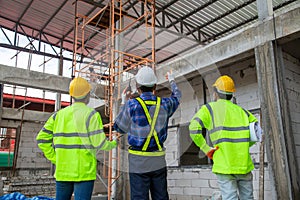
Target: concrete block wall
{"points": [[31, 160], [198, 182], [247, 95], [292, 81]]}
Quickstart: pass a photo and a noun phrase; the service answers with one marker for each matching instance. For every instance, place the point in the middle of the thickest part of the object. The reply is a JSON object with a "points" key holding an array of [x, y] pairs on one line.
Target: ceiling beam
{"points": [[32, 51], [57, 44], [221, 16], [159, 11]]}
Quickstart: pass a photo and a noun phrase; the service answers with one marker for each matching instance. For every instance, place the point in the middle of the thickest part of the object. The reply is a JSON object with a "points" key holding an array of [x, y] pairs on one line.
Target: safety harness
{"points": [[152, 132]]}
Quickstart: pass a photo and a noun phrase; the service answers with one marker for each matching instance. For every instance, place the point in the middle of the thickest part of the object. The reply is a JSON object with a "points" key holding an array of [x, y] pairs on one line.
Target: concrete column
{"points": [[264, 9], [273, 120], [60, 73]]}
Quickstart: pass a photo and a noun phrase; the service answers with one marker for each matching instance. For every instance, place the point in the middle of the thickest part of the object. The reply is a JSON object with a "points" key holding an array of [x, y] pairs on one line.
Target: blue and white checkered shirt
{"points": [[132, 119]]}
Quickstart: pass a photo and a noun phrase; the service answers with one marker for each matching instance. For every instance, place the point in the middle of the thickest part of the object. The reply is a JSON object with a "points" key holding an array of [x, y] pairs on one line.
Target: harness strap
{"points": [[147, 153], [151, 122]]}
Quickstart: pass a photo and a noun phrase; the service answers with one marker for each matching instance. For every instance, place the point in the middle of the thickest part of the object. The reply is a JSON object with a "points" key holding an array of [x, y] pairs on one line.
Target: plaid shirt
{"points": [[132, 119]]}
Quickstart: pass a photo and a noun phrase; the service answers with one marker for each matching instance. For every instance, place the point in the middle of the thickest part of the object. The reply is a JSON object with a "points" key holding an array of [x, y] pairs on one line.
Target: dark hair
{"points": [[87, 96], [223, 96], [146, 89]]}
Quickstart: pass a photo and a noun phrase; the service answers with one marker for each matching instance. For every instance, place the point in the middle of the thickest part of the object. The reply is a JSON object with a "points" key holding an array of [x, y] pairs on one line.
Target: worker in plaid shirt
{"points": [[145, 120]]}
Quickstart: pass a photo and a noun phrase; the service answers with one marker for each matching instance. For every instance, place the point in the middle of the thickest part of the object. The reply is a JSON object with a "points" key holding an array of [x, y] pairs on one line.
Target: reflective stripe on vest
{"points": [[152, 132], [225, 128]]}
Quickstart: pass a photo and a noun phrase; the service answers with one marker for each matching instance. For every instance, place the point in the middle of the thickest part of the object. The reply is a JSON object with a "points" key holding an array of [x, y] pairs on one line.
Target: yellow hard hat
{"points": [[79, 88], [224, 84]]}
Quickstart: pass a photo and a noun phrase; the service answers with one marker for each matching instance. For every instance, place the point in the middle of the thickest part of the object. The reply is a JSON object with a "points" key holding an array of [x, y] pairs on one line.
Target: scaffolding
{"points": [[113, 27]]}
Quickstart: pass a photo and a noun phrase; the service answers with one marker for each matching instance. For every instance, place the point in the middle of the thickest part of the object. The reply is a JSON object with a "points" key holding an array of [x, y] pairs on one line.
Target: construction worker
{"points": [[70, 140], [227, 125], [145, 120]]}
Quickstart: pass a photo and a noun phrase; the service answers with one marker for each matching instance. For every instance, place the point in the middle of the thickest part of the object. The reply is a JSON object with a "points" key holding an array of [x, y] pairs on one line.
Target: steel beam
{"points": [[246, 40]]}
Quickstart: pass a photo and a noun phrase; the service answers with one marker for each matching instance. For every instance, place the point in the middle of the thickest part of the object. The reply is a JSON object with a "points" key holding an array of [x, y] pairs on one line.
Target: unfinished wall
{"points": [[292, 83], [31, 160], [32, 175], [197, 181]]}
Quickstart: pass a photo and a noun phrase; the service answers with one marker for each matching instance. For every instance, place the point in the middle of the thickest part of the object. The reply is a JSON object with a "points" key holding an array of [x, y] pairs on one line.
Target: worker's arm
{"points": [[197, 125], [96, 134], [251, 117], [174, 100], [122, 122], [45, 139]]}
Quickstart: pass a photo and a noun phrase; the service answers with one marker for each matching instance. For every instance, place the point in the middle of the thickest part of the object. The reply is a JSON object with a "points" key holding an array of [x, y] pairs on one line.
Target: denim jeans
{"points": [[155, 181], [236, 186], [82, 190]]}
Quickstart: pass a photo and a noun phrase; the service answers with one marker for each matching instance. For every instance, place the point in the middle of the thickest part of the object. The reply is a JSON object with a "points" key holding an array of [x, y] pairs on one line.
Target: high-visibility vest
{"points": [[228, 127], [152, 133], [70, 139]]}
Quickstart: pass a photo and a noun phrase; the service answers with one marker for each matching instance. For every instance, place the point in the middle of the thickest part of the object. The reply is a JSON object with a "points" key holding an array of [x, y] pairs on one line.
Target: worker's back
{"points": [[74, 153], [228, 128]]}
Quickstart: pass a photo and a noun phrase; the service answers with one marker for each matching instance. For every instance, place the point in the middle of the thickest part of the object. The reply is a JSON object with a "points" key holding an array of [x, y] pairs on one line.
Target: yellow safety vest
{"points": [[152, 132], [228, 128], [76, 133]]}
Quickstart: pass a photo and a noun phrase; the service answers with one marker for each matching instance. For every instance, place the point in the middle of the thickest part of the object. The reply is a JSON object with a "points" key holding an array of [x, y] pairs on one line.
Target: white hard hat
{"points": [[146, 77]]}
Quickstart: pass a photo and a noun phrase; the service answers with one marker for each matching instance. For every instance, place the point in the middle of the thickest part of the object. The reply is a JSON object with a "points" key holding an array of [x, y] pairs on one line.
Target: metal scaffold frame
{"points": [[109, 62]]}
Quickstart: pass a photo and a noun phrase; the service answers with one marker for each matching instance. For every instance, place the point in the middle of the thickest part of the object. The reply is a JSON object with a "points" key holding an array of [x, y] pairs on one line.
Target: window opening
{"points": [[7, 146], [190, 154]]}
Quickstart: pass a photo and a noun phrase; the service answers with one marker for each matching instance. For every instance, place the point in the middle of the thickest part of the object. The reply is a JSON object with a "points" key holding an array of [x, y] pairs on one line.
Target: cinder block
{"points": [[197, 197], [191, 175], [183, 183], [172, 196], [23, 173], [171, 183], [179, 197], [175, 190], [207, 175], [200, 183], [191, 191], [174, 174]]}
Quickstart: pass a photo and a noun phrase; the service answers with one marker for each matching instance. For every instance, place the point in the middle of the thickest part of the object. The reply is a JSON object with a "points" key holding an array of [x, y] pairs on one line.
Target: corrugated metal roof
{"points": [[180, 24]]}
